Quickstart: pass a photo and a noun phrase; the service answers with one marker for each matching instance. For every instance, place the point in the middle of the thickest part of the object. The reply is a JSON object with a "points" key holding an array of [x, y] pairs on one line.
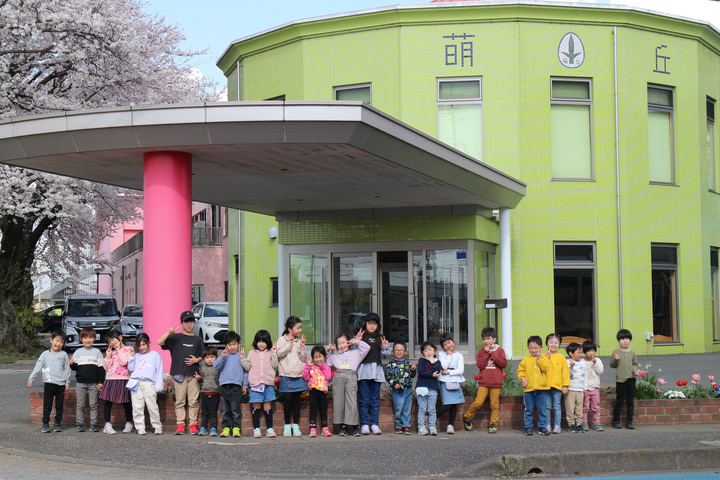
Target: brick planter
{"points": [[657, 412]]}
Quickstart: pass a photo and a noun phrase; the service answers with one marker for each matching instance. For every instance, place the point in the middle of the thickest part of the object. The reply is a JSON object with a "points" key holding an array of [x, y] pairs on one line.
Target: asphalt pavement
{"points": [[27, 453]]}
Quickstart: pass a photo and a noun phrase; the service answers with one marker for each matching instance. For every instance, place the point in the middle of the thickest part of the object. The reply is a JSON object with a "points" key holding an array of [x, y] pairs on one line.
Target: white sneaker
{"points": [[141, 432], [158, 430], [128, 428], [450, 429], [108, 429], [256, 433]]}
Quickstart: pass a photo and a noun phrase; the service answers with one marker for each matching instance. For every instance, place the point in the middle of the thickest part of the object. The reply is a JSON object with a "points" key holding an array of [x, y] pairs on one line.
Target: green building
{"points": [[605, 112]]}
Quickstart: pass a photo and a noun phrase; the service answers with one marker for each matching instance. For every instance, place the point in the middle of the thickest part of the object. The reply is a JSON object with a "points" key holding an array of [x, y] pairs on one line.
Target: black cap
{"points": [[187, 316], [372, 316]]}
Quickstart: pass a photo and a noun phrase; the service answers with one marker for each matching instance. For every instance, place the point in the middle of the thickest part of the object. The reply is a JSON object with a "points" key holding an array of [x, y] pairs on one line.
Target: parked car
{"points": [[97, 311], [51, 318], [131, 322], [211, 321]]}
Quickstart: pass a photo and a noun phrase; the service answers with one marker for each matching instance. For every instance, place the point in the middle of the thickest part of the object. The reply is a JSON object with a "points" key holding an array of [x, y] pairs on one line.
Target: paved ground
{"points": [[27, 453]]}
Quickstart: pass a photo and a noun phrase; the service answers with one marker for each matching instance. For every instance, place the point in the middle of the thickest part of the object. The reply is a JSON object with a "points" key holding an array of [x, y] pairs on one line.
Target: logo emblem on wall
{"points": [[571, 51]]}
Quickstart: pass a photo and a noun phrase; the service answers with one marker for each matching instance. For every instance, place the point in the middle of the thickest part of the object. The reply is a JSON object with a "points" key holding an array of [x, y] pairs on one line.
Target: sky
{"points": [[213, 24]]}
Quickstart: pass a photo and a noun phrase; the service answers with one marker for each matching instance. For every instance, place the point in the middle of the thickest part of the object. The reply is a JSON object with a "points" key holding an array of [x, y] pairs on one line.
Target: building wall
{"points": [[515, 52]]}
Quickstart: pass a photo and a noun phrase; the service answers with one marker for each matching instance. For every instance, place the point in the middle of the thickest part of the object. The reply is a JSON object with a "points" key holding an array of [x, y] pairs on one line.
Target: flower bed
{"points": [[656, 411]]}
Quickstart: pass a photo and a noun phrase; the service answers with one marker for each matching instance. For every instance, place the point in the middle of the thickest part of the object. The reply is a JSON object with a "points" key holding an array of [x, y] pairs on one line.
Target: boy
{"points": [[427, 388], [625, 364], [491, 361], [400, 373], [578, 384], [55, 367], [233, 382], [209, 392], [185, 353], [87, 362], [591, 399], [532, 373]]}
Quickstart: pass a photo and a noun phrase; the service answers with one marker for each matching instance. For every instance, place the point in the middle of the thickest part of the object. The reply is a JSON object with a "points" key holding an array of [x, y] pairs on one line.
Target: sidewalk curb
{"points": [[591, 463]]}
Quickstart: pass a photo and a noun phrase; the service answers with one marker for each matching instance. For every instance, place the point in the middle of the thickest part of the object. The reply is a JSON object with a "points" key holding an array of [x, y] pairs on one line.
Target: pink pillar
{"points": [[167, 279]]}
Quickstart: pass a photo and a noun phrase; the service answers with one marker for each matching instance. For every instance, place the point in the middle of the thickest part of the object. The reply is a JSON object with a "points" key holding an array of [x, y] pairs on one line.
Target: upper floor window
{"points": [[661, 136], [360, 93], [711, 160], [571, 129], [460, 114]]}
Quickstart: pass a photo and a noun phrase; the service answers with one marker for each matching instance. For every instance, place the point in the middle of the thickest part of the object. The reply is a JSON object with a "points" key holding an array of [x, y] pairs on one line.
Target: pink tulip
{"points": [[711, 378], [696, 377], [642, 373], [661, 381]]}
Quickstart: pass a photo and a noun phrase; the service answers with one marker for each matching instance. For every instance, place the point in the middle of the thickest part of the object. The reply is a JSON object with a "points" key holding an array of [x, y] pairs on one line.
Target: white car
{"points": [[211, 321]]}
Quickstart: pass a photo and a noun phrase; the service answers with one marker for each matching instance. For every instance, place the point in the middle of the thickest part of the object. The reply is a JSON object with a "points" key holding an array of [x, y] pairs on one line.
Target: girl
{"points": [[116, 378], [451, 376], [427, 387], [317, 375], [559, 378], [291, 357], [145, 381], [261, 363], [371, 375], [346, 362]]}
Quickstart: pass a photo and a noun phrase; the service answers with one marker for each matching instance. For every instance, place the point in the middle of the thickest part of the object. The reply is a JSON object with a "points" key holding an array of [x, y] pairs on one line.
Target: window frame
{"points": [[674, 310], [580, 102], [578, 265], [715, 292], [711, 150], [655, 107], [355, 86], [450, 101]]}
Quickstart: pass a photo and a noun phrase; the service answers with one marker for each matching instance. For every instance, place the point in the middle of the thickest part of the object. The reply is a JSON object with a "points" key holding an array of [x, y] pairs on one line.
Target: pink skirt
{"points": [[115, 391]]}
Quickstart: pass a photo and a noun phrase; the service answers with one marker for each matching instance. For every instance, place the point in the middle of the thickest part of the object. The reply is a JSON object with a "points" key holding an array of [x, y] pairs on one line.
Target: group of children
{"points": [[546, 377], [206, 380]]}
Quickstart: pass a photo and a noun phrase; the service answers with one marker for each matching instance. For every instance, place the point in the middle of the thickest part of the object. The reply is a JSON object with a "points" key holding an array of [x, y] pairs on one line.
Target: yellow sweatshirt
{"points": [[534, 370], [558, 374]]}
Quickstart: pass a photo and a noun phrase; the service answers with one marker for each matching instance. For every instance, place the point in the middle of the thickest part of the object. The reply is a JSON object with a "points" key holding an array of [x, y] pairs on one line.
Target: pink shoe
{"points": [[326, 432], [313, 432]]}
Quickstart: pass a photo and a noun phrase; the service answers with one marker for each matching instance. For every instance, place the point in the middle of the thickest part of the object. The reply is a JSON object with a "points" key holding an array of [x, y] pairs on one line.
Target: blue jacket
{"points": [[425, 374], [231, 370]]}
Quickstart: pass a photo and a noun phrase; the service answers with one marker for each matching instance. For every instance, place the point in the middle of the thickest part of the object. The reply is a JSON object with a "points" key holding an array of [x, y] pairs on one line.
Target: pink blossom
{"points": [[711, 378], [661, 381], [642, 373], [696, 377]]}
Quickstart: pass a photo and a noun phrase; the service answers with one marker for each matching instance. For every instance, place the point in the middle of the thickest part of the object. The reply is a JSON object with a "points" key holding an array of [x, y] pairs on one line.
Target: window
{"points": [[711, 162], [354, 92], [715, 293], [274, 289], [574, 284], [661, 139], [571, 129], [198, 294], [460, 114], [664, 293]]}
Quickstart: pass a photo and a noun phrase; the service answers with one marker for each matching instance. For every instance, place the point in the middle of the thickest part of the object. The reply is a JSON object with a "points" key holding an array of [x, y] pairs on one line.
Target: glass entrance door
{"points": [[395, 293], [354, 291]]}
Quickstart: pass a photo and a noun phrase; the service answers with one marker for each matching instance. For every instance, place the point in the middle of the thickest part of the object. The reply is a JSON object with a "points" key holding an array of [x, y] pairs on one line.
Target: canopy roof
{"points": [[272, 157]]}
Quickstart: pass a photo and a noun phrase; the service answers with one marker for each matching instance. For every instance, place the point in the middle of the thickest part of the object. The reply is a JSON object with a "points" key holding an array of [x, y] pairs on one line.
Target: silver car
{"points": [[131, 322], [211, 321]]}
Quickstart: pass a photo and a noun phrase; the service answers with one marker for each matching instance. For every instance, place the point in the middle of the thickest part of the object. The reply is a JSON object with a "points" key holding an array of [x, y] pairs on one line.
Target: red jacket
{"points": [[491, 366]]}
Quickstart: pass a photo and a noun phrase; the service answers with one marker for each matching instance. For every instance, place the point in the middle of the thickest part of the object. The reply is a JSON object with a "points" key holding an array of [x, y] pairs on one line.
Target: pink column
{"points": [[167, 250]]}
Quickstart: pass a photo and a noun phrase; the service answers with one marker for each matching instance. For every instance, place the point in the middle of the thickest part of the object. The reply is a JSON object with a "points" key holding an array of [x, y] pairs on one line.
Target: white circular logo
{"points": [[571, 51]]}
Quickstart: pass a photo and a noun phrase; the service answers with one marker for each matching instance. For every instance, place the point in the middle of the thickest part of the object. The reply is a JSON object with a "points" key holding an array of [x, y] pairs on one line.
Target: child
{"points": [[400, 373], [260, 364], [532, 373], [558, 378], [209, 392], [87, 362], [145, 381], [346, 361], [185, 353], [317, 375], [371, 375], [291, 357], [591, 399], [233, 381], [451, 376], [578, 384], [116, 379], [491, 361], [625, 364], [427, 388], [55, 367]]}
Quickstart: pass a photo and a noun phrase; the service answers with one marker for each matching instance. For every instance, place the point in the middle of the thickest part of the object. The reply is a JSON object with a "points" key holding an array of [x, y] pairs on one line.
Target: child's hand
{"points": [[384, 342], [99, 387], [397, 386], [242, 352], [225, 352], [29, 383], [413, 367], [353, 341], [330, 347], [436, 374], [274, 348], [192, 360], [172, 330], [445, 372], [132, 351], [524, 382], [360, 334], [197, 377], [244, 390], [564, 390], [572, 363], [616, 356], [72, 361], [303, 340]]}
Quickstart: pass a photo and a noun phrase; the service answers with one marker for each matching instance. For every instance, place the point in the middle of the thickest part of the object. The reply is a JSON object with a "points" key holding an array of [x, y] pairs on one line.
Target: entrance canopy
{"points": [[271, 157]]}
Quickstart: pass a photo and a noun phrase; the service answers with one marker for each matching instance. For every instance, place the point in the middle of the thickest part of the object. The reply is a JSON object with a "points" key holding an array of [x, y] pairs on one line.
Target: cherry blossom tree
{"points": [[59, 55]]}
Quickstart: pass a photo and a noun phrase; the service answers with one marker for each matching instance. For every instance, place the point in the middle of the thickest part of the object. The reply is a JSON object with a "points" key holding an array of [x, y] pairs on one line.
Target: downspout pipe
{"points": [[506, 282]]}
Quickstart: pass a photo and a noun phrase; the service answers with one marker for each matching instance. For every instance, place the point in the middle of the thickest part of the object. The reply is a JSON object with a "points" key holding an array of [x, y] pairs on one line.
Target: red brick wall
{"points": [[667, 412]]}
